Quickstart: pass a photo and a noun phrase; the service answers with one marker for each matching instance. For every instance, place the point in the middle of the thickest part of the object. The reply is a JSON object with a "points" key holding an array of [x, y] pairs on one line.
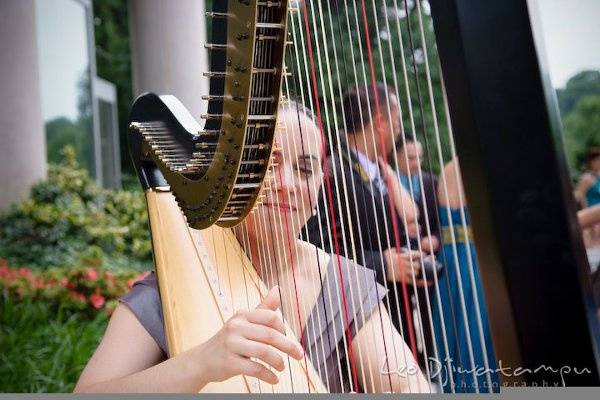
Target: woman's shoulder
{"points": [[359, 283], [588, 179], [143, 299]]}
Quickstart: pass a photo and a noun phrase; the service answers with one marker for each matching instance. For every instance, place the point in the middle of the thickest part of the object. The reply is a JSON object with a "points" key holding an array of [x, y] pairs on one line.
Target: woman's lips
{"points": [[279, 205]]}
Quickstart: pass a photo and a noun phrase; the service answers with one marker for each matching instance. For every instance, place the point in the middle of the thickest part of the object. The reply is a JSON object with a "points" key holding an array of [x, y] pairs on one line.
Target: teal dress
{"points": [[593, 194], [459, 369]]}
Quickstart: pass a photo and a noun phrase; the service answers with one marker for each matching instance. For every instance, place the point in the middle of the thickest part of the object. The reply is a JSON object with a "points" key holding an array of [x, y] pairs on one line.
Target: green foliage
{"points": [[583, 84], [348, 66], [69, 219], [113, 60], [42, 348], [582, 129], [82, 289]]}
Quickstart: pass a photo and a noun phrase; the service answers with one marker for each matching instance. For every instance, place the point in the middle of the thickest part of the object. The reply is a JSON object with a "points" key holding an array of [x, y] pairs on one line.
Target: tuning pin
{"points": [[215, 46], [211, 14], [211, 116], [215, 74]]}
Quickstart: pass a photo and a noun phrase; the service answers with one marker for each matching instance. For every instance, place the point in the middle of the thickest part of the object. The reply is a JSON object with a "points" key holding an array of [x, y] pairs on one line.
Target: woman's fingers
{"points": [[266, 317], [252, 368], [261, 351], [271, 300], [272, 337]]}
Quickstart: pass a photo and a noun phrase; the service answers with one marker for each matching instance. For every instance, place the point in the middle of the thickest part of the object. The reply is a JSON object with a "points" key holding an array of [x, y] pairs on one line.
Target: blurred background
{"points": [[73, 224]]}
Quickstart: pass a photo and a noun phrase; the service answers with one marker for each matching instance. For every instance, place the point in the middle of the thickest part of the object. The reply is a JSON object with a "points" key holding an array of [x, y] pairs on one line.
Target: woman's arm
{"points": [[589, 217], [387, 363], [403, 203], [126, 359], [585, 183]]}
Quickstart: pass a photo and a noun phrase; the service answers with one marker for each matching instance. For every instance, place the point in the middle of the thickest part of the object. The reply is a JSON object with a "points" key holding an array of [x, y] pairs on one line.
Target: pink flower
{"points": [[97, 300], [25, 272], [4, 271], [38, 284], [109, 276], [91, 274], [64, 282]]}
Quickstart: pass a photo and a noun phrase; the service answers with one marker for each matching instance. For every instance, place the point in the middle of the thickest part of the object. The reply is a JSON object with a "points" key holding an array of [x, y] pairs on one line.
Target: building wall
{"points": [[22, 138], [168, 55]]}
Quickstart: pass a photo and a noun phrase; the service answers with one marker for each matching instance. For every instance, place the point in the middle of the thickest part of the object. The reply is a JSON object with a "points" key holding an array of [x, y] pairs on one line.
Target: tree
{"points": [[113, 59], [582, 129], [343, 39], [580, 85]]}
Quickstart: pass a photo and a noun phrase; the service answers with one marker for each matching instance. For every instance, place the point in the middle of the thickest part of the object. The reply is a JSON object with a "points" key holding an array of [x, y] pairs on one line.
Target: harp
{"points": [[201, 181]]}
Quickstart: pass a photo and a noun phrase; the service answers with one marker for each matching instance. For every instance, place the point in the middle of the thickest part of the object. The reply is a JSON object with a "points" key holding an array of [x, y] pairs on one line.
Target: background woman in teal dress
{"points": [[466, 359]]}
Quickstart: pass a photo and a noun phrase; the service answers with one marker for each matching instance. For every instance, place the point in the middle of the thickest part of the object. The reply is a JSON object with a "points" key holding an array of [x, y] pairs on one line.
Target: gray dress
{"points": [[325, 330]]}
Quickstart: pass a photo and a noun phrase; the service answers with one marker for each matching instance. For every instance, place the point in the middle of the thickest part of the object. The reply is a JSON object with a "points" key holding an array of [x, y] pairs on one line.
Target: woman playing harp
{"points": [[132, 354]]}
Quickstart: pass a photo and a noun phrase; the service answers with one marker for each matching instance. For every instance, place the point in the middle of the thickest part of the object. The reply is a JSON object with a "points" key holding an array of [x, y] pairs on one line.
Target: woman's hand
{"points": [[255, 334], [402, 266]]}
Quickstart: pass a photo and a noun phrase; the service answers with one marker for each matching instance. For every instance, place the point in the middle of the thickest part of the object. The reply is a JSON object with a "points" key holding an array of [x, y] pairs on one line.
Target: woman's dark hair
{"points": [[402, 140], [356, 103], [592, 154]]}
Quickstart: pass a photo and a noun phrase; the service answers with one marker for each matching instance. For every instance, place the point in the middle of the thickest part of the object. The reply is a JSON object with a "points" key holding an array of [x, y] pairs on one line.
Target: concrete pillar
{"points": [[167, 47], [22, 136]]}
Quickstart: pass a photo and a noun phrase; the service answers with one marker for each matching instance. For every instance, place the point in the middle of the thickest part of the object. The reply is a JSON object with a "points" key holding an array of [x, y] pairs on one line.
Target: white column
{"points": [[22, 136], [167, 46]]}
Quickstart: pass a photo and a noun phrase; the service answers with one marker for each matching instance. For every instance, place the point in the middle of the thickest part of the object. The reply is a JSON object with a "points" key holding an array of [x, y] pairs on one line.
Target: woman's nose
{"points": [[284, 177]]}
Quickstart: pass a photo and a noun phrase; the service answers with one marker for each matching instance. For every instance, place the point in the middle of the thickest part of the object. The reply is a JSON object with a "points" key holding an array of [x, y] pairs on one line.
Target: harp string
{"points": [[302, 258], [329, 198], [331, 143], [330, 128], [444, 183], [348, 212], [331, 297], [419, 320], [312, 202], [412, 189], [299, 38], [419, 170], [339, 152], [465, 228], [371, 187]]}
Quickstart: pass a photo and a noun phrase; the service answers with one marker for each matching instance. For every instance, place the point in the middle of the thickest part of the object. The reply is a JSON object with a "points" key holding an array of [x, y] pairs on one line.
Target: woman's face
{"points": [[291, 194], [409, 158], [595, 164]]}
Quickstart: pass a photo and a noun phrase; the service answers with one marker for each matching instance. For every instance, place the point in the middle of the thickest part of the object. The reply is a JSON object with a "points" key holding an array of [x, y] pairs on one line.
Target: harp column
{"points": [[167, 46], [22, 138]]}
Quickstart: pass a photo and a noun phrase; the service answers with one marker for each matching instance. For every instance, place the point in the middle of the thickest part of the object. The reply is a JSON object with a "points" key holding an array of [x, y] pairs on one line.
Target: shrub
{"points": [[83, 289], [69, 219]]}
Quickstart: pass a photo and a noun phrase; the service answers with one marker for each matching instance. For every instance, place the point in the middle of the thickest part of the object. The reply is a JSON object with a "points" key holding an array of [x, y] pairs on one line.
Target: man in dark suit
{"points": [[364, 220]]}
